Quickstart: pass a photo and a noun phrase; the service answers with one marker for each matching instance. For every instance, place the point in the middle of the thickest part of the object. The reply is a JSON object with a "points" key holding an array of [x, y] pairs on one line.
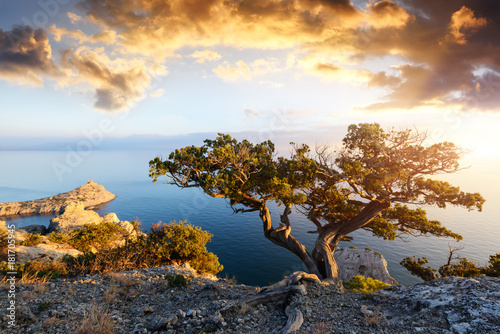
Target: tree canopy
{"points": [[367, 184]]}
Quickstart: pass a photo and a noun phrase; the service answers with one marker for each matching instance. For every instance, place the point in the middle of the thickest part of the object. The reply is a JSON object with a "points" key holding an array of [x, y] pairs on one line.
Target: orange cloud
{"points": [[462, 20]]}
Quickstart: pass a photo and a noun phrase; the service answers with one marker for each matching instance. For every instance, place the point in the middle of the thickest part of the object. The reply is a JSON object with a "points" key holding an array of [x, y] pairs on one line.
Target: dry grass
{"points": [[96, 321], [110, 295], [29, 295], [40, 287], [49, 322], [122, 278], [132, 293], [319, 328], [375, 318]]}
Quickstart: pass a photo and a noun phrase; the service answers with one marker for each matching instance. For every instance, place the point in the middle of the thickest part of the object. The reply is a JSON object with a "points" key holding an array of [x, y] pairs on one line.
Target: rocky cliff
{"points": [[89, 195]]}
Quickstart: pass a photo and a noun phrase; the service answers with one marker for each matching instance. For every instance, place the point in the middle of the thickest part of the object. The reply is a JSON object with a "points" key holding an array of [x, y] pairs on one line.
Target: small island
{"points": [[90, 194]]}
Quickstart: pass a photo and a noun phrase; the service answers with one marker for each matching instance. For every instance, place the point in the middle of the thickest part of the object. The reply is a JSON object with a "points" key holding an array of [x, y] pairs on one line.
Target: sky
{"points": [[282, 68]]}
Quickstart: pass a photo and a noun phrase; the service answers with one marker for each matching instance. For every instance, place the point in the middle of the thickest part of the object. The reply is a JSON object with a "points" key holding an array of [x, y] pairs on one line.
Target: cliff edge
{"points": [[89, 195]]}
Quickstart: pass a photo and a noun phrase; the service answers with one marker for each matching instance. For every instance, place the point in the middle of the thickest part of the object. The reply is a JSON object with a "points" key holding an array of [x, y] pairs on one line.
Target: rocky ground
{"points": [[142, 301], [90, 194]]}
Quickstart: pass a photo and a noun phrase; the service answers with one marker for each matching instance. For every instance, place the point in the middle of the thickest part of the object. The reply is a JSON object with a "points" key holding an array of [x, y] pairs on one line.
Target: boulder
{"points": [[48, 250], [73, 217], [110, 218], [34, 229], [364, 262]]}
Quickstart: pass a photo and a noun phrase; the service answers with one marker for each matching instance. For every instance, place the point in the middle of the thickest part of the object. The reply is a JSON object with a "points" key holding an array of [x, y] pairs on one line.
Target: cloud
{"points": [[462, 20], [74, 18], [25, 55], [119, 83], [243, 71], [103, 36], [387, 13], [205, 55], [157, 93], [229, 73]]}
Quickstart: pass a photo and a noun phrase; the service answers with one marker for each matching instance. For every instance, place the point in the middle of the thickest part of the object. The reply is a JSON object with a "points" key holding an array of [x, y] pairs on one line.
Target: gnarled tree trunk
{"points": [[321, 262]]}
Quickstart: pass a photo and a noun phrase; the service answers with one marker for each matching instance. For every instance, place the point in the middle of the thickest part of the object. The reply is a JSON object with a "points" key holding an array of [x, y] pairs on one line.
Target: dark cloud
{"points": [[445, 44], [25, 55], [118, 84]]}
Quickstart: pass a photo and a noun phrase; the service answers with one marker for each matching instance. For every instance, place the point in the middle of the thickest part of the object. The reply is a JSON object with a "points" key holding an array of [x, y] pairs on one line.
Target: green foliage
{"points": [[183, 242], [353, 247], [177, 281], [32, 240], [415, 266], [464, 268], [136, 225], [493, 267], [58, 237], [167, 244], [95, 235], [364, 284], [34, 270]]}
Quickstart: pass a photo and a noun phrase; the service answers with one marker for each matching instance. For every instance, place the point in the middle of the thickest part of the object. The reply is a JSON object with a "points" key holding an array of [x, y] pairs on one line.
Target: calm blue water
{"points": [[238, 239]]}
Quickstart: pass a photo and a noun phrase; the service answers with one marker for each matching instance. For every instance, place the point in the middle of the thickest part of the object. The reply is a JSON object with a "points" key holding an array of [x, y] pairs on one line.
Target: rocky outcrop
{"points": [[89, 195], [364, 262], [469, 305], [44, 252], [74, 216]]}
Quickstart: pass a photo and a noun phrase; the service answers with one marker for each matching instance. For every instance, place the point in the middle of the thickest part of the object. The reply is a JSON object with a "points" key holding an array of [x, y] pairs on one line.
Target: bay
{"points": [[238, 238]]}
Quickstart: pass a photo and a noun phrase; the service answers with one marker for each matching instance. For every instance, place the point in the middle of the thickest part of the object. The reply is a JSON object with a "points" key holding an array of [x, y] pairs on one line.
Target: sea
{"points": [[238, 239]]}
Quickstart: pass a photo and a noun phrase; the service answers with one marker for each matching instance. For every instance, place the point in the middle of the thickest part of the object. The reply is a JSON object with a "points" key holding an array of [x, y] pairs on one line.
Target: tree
{"points": [[365, 185]]}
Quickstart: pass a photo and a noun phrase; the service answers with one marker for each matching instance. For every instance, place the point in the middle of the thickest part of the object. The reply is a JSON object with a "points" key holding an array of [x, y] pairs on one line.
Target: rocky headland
{"points": [[89, 195]]}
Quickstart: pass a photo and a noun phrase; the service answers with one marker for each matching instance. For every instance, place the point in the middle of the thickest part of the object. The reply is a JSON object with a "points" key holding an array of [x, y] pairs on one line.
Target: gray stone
{"points": [[49, 251], [34, 229], [364, 262]]}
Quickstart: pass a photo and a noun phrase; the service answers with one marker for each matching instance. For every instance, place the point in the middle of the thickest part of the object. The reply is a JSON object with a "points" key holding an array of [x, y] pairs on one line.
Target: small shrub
{"points": [[136, 225], [96, 321], [179, 241], [58, 237], [43, 306], [32, 240], [95, 235], [493, 269], [464, 268], [176, 281], [364, 284]]}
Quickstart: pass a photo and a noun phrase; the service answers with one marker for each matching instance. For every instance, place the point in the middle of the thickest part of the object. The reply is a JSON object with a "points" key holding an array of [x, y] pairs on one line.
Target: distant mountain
{"points": [[281, 139]]}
